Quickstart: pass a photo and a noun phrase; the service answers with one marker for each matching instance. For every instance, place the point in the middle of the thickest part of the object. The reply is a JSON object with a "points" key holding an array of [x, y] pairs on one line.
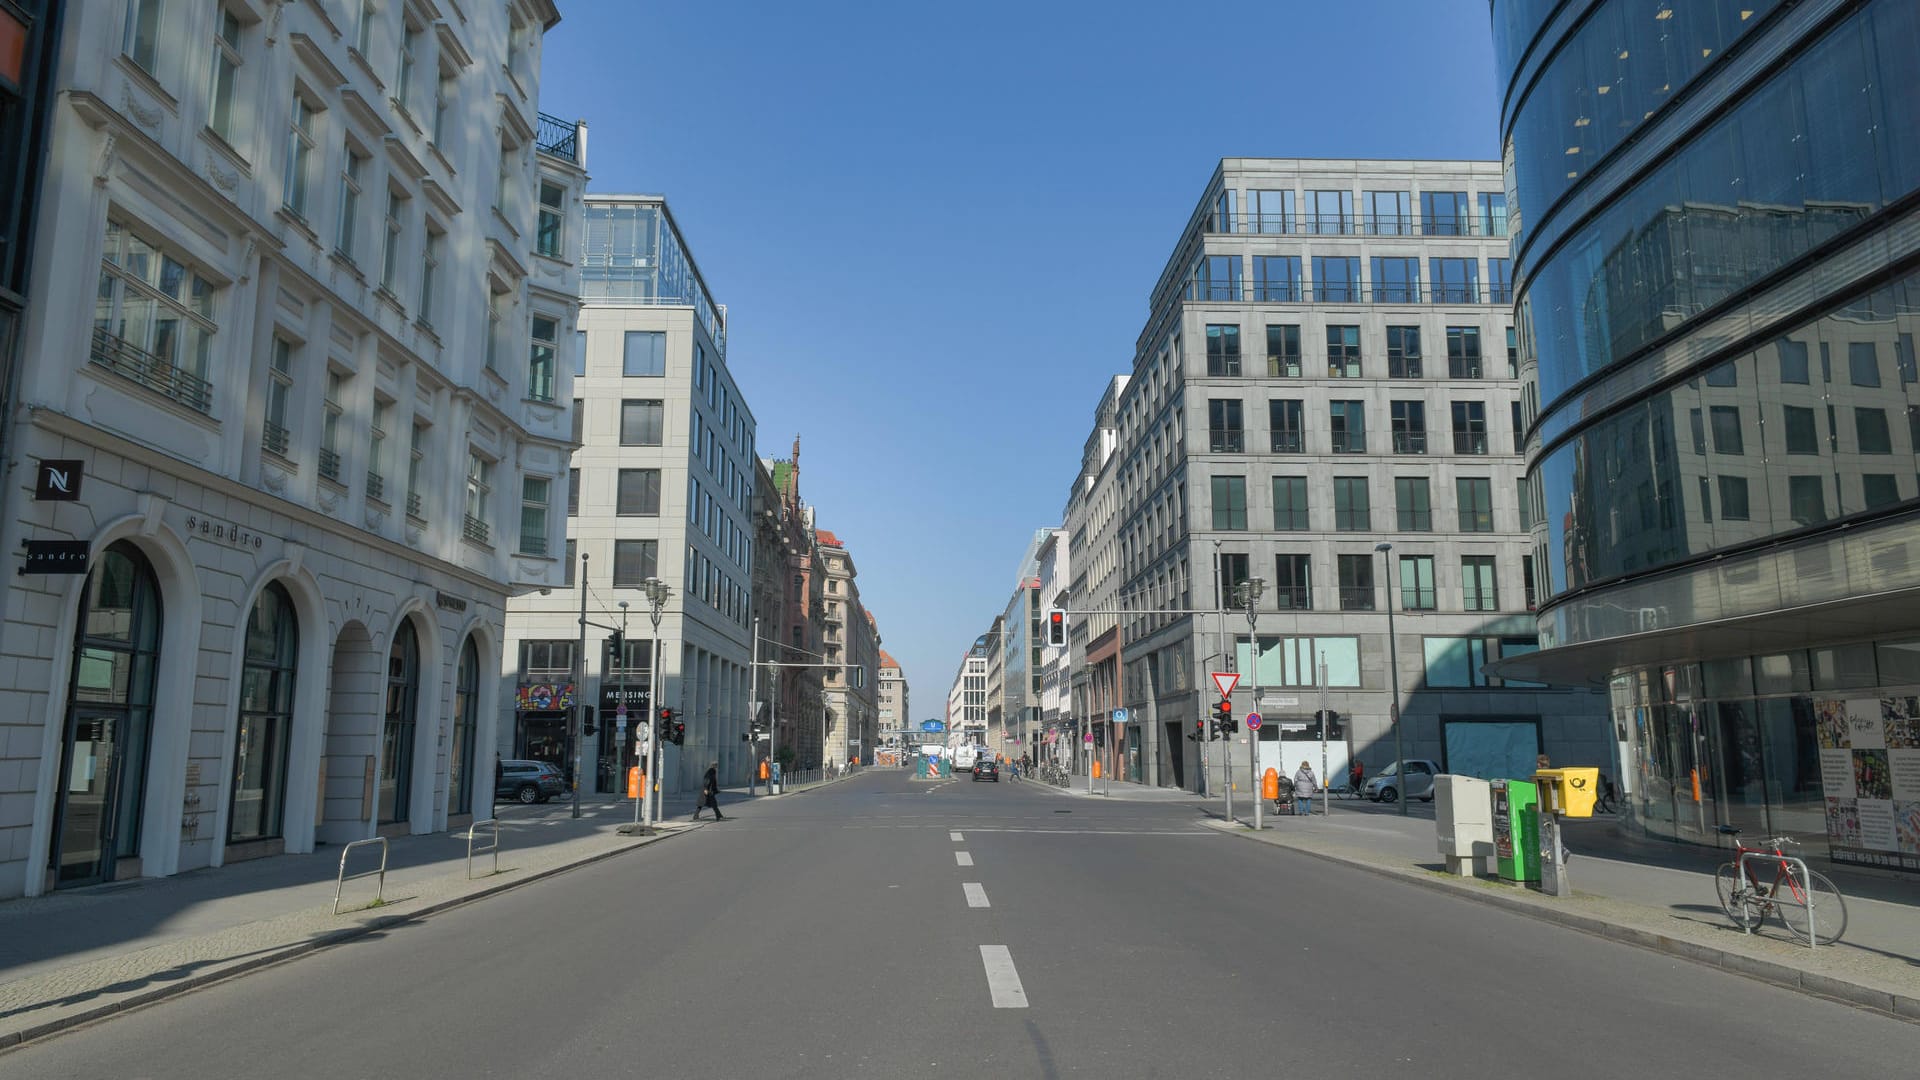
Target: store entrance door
{"points": [[90, 796]]}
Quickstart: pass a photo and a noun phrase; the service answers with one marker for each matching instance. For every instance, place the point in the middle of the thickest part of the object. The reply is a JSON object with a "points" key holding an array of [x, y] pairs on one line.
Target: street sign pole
{"points": [[1226, 681], [1326, 781]]}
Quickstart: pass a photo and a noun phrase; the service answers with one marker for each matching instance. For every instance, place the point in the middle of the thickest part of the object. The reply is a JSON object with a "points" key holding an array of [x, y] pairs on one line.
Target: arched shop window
{"points": [[265, 730], [403, 699]]}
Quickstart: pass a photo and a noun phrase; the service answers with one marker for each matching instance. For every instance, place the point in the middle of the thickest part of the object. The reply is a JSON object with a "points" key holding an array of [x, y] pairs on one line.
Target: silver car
{"points": [[1386, 787]]}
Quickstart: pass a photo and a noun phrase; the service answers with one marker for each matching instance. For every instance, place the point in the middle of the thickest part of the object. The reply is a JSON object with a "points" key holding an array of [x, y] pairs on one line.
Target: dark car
{"points": [[986, 769], [529, 781]]}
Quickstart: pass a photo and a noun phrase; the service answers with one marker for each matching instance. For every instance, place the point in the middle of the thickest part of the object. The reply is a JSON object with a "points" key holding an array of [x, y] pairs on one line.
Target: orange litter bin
{"points": [[1270, 785], [633, 782], [1096, 770]]}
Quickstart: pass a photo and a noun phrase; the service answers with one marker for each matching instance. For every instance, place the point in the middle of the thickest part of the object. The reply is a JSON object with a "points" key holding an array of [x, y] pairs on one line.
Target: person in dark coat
{"points": [[710, 794]]}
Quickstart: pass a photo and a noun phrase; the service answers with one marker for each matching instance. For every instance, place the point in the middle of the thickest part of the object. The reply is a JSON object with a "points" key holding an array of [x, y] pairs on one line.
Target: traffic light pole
{"points": [[1253, 737], [753, 709], [576, 716], [1326, 721]]}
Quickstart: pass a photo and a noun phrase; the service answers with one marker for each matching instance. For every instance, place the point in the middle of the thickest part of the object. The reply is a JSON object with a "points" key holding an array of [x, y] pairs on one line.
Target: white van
{"points": [[964, 757]]}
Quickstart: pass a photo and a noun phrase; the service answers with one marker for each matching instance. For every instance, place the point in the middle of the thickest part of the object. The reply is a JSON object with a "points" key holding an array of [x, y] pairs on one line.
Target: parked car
{"points": [[986, 769], [529, 781], [1386, 787]]}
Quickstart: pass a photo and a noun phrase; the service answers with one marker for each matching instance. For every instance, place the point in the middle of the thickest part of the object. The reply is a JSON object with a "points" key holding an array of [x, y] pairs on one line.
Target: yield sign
{"points": [[1226, 681]]}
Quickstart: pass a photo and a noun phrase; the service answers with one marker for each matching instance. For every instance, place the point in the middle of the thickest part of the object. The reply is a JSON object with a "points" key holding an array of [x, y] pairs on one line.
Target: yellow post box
{"points": [[1569, 792]]}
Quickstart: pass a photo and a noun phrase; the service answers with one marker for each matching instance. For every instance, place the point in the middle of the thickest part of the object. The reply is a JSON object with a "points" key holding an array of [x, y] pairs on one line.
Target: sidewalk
{"points": [[1120, 790], [1660, 896], [70, 957]]}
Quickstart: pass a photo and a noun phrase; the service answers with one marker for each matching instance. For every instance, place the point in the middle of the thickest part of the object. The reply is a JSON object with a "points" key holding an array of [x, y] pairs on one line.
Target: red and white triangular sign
{"points": [[1226, 681]]}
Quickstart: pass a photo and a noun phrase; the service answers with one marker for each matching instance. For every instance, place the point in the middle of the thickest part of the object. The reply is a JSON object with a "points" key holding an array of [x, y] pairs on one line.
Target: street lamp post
{"points": [[657, 593], [620, 709], [1252, 590], [1393, 682]]}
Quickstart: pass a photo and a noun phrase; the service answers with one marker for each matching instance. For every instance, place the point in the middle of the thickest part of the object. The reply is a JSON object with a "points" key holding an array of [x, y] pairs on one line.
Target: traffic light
{"points": [[586, 722], [666, 725], [1327, 721], [679, 733], [1057, 627], [1223, 717], [617, 648], [1199, 731]]}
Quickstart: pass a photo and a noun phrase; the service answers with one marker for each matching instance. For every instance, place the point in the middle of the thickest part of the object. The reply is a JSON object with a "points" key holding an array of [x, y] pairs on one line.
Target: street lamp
{"points": [[1393, 681], [657, 593], [1250, 591]]}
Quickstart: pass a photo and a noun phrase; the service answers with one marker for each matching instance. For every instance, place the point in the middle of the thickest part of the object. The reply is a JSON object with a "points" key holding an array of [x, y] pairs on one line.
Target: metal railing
{"points": [[340, 881], [156, 373], [493, 845], [1354, 224], [1463, 367], [1356, 598], [1226, 441], [1356, 291], [1283, 367], [1409, 442], [1288, 441], [1404, 367], [1749, 887], [1278, 292], [1348, 442], [474, 529], [532, 545], [560, 138], [275, 439], [329, 464], [376, 486], [1219, 364], [1293, 598], [413, 504], [1469, 442]]}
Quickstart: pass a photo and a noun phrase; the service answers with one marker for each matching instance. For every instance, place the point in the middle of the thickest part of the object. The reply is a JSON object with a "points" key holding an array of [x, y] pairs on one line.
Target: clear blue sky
{"points": [[935, 224]]}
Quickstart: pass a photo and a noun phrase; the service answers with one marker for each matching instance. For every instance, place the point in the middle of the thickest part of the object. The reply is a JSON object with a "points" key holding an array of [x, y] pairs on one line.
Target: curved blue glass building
{"points": [[1715, 212]]}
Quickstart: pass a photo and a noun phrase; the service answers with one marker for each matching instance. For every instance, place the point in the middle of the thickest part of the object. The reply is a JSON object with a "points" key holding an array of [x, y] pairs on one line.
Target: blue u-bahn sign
{"points": [[933, 725]]}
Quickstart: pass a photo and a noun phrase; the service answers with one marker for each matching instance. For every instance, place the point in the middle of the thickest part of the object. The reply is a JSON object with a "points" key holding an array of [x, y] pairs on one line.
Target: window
{"points": [[1802, 438], [1499, 280], [1806, 500], [1519, 427], [1389, 213], [429, 266], [1224, 434], [1863, 363], [1277, 278], [1233, 572], [1723, 375], [1460, 661], [1330, 212], [416, 453], [639, 493], [1396, 280], [1477, 583], [1356, 582], [547, 235], [479, 497], [534, 491], [1283, 351], [635, 561], [1343, 352], [1230, 502], [226, 72], [1347, 424], [299, 155], [1223, 350], [579, 422], [542, 358], [1871, 431], [1525, 501], [443, 94], [153, 319], [377, 450], [363, 36], [1217, 277], [1413, 504], [1445, 212], [1463, 352], [141, 38], [1403, 352], [1526, 574], [573, 492], [1455, 281], [1733, 498], [1513, 354], [1879, 489], [1272, 211], [409, 57], [1793, 361], [1409, 426], [579, 354], [1469, 427], [1726, 429], [1290, 504], [1493, 214], [1285, 424], [1475, 496], [1292, 583], [396, 234], [1350, 508], [1336, 278], [350, 175], [1416, 583], [642, 423], [1222, 213], [274, 435]]}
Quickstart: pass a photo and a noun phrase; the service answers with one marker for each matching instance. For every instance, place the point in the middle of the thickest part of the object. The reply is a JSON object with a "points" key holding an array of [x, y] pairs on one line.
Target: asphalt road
{"points": [[841, 933]]}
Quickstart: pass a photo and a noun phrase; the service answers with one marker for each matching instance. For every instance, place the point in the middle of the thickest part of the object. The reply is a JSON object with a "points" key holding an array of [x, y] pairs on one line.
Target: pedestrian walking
{"points": [[1303, 789], [1356, 777], [710, 794], [766, 775]]}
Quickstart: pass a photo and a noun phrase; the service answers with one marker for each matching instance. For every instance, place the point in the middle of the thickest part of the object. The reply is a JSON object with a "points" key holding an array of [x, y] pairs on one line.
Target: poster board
{"points": [[1870, 775]]}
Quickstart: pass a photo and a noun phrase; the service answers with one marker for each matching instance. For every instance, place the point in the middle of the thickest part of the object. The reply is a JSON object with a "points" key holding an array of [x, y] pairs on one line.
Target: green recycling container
{"points": [[1516, 830]]}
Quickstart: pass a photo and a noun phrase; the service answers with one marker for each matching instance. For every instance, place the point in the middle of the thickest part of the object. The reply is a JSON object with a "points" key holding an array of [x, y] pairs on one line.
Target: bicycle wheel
{"points": [[1790, 895], [1738, 902]]}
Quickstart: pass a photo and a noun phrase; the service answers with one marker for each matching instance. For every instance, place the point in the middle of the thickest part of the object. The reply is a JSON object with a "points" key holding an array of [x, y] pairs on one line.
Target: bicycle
{"points": [[1811, 907]]}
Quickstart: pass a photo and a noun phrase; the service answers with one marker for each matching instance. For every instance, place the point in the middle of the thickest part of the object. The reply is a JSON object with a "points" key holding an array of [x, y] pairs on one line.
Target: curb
{"points": [[11, 1039], [1898, 1006]]}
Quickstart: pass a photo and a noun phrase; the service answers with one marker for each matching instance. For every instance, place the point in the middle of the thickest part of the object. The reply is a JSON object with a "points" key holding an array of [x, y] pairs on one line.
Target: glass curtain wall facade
{"points": [[1717, 278]]}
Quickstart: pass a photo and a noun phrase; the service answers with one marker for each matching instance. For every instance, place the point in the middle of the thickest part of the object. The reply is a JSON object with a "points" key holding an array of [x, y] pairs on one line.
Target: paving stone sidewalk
{"points": [[1659, 896], [73, 956]]}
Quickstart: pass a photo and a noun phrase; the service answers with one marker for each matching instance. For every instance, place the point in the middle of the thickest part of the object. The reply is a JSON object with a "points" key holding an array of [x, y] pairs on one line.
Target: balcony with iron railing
{"points": [[329, 465], [1356, 598], [1355, 291], [1226, 441], [558, 138], [376, 486], [275, 439], [1351, 224], [1409, 442], [413, 504], [1470, 442], [472, 528], [533, 544], [156, 373], [1288, 442], [1293, 598]]}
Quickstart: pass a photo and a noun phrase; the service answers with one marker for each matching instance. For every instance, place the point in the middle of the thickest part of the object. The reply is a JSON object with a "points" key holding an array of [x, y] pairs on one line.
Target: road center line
{"points": [[955, 837], [963, 858], [1002, 979], [976, 896]]}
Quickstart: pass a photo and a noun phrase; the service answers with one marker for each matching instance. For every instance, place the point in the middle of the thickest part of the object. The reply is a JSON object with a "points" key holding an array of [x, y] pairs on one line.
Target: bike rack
{"points": [[493, 845], [1806, 876], [340, 882]]}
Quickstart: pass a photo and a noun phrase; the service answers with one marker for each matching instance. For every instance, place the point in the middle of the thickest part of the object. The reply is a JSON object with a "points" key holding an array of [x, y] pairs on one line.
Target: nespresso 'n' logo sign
{"points": [[58, 480]]}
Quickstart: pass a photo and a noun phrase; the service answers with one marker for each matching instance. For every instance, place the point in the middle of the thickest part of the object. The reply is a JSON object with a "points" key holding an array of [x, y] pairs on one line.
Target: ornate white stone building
{"points": [[292, 425]]}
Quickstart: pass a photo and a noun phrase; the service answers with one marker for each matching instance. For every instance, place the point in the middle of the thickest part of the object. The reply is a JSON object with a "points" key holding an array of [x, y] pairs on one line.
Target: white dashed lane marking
{"points": [[963, 858], [1002, 979], [955, 837], [976, 896]]}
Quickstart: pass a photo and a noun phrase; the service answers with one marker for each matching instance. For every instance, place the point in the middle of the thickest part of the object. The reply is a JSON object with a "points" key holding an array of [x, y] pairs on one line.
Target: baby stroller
{"points": [[1283, 798]]}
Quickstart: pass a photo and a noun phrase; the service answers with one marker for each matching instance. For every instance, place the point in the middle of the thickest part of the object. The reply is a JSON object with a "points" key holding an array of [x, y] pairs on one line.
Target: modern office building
{"points": [[1017, 640], [289, 406], [1327, 367], [967, 700], [661, 486], [1094, 654], [1719, 288]]}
